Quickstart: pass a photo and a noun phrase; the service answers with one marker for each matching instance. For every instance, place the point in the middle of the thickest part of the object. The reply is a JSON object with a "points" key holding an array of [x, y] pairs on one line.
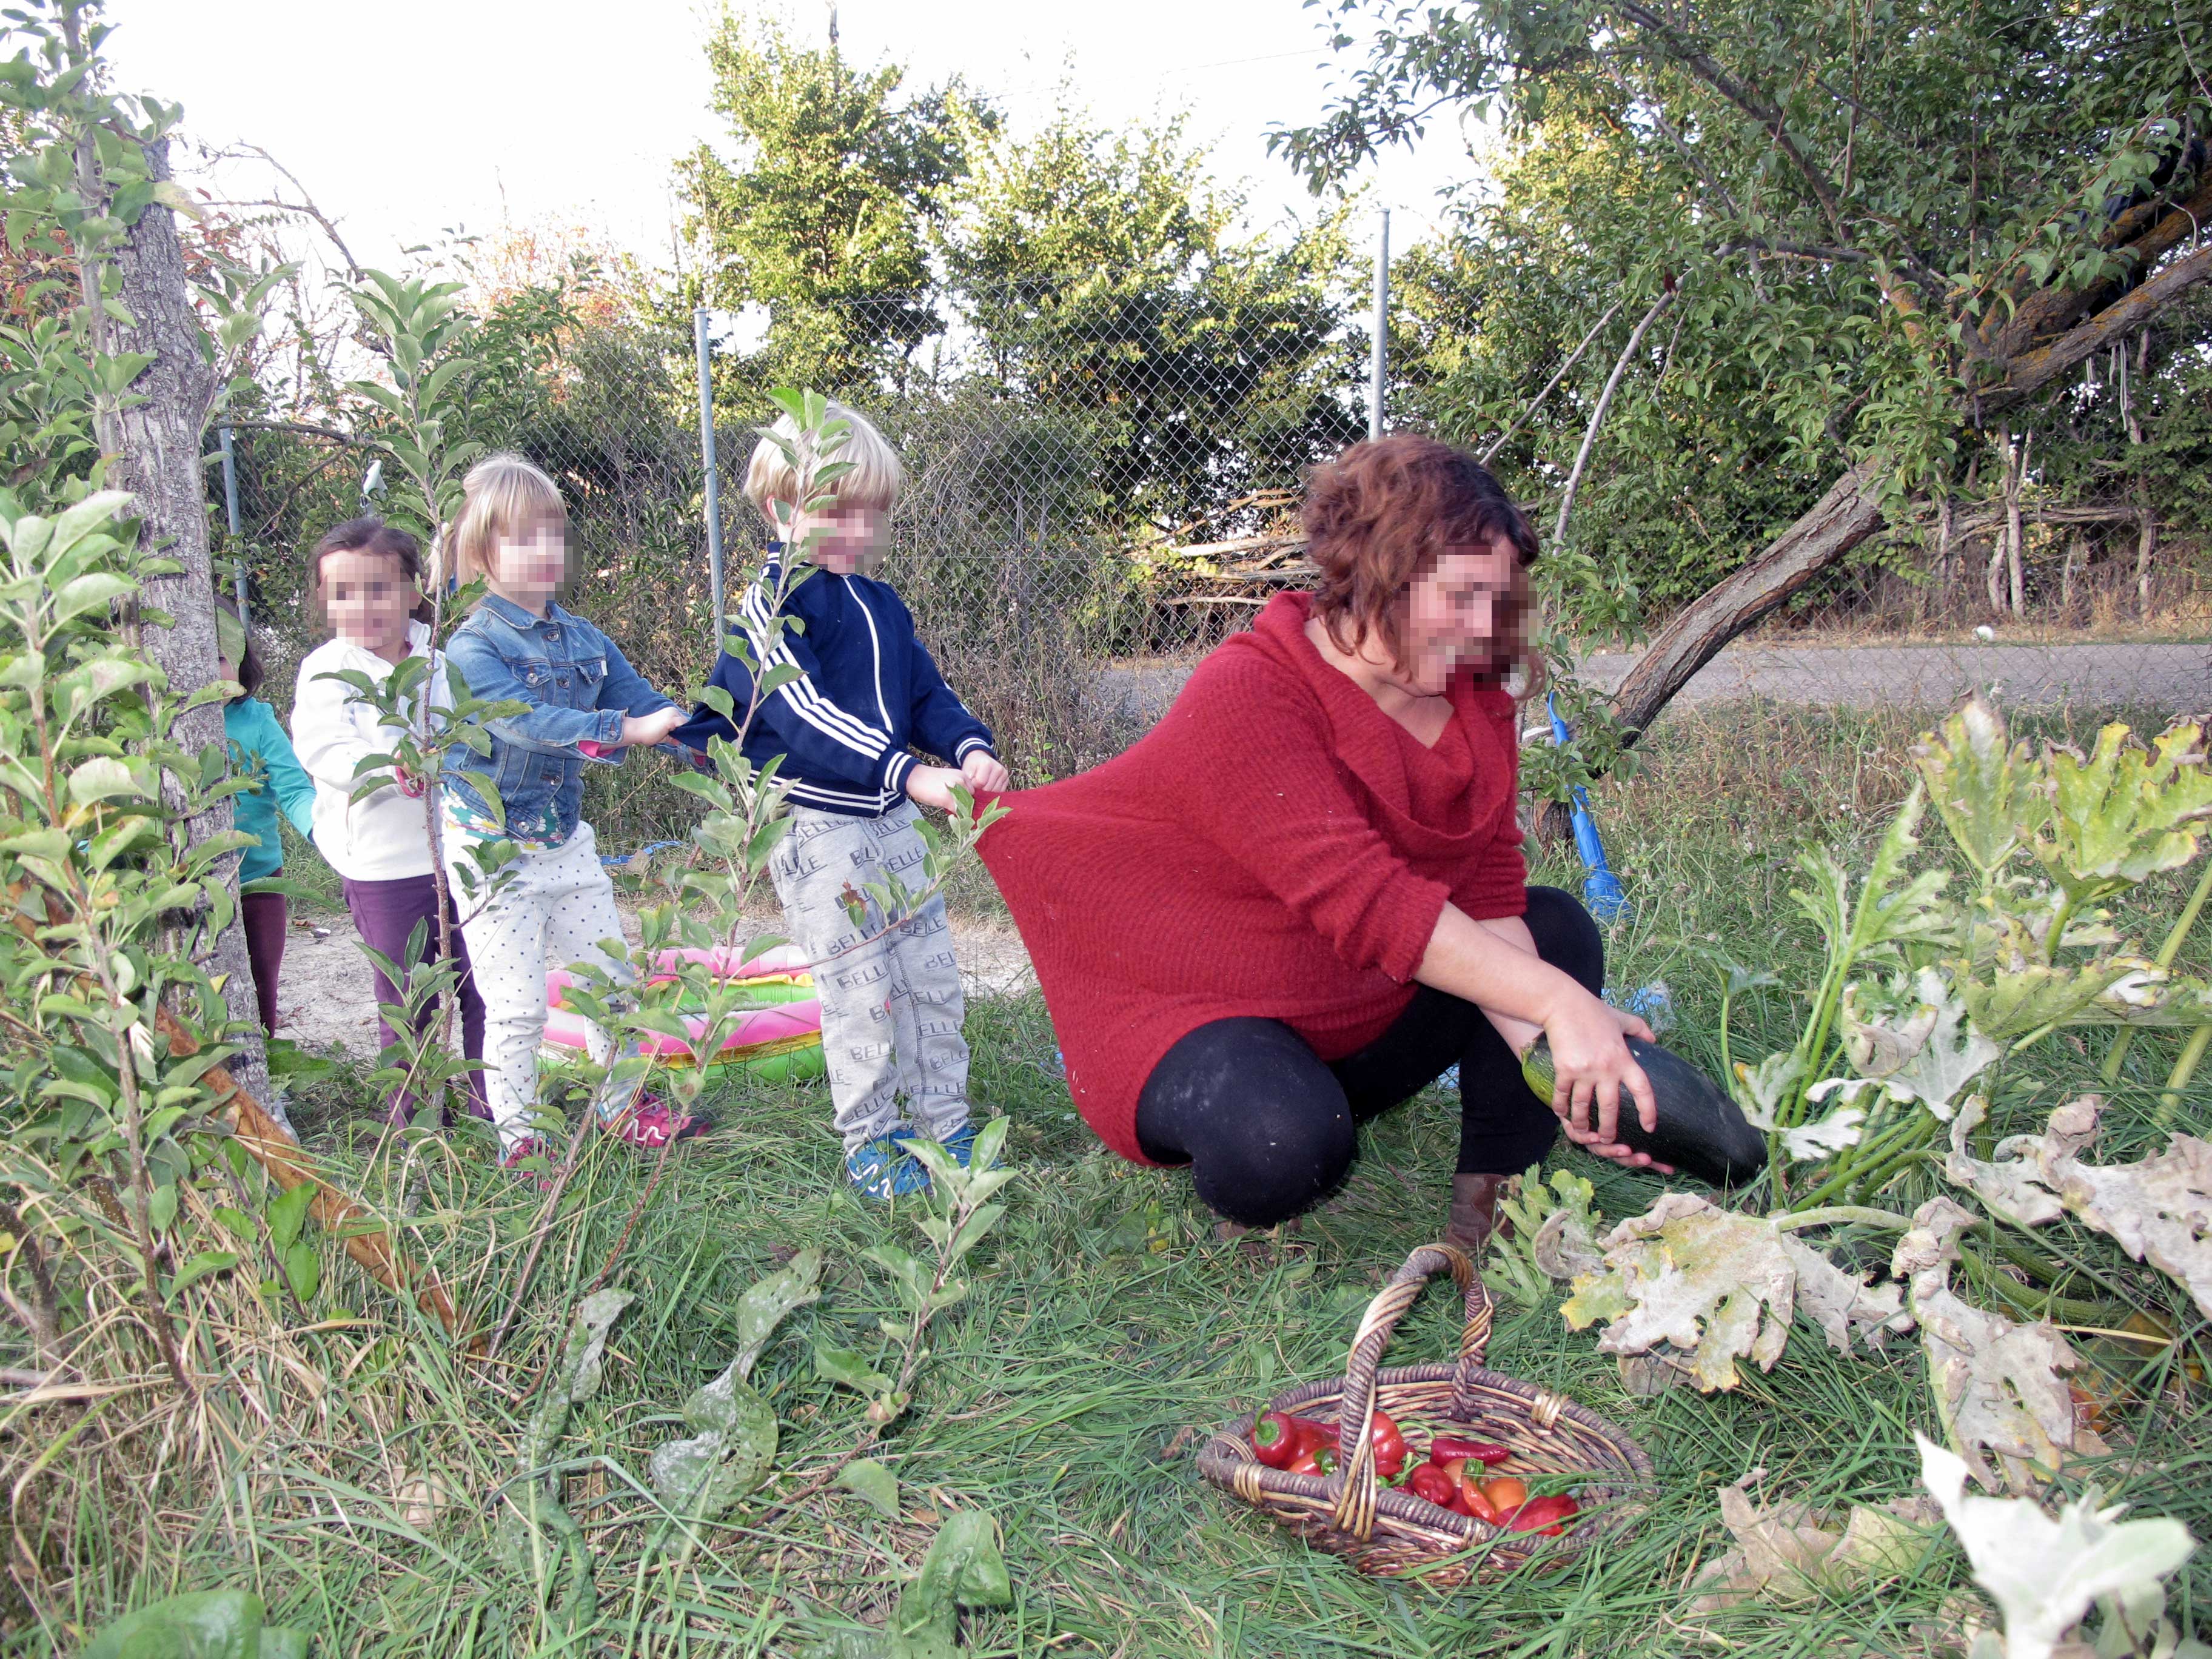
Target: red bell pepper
{"points": [[1543, 1514], [1276, 1440], [1428, 1481], [1312, 1434], [1304, 1463], [1447, 1448], [1390, 1443]]}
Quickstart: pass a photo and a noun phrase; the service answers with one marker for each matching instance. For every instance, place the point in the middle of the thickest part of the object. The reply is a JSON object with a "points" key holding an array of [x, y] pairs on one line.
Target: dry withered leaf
{"points": [[2000, 1387], [1720, 1286], [1790, 1553]]}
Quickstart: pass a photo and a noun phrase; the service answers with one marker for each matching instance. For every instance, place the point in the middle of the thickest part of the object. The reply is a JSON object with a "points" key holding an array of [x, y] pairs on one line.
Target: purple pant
{"points": [[264, 916], [385, 912]]}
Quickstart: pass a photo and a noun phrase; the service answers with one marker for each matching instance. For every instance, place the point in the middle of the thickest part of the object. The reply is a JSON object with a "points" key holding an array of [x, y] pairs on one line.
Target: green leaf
{"points": [[202, 1625], [866, 1479], [101, 778], [913, 1278], [764, 1305], [198, 1268], [1987, 790], [86, 591], [849, 1368], [303, 1269], [288, 1212], [161, 1207]]}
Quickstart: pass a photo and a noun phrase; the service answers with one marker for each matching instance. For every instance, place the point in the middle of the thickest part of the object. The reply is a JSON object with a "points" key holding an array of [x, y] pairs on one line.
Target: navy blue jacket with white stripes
{"points": [[866, 690]]}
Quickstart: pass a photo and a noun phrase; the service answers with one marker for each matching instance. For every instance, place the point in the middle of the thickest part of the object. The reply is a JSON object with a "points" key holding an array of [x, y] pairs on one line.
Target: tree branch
{"points": [[2032, 370], [1551, 386], [2048, 310], [1598, 415]]}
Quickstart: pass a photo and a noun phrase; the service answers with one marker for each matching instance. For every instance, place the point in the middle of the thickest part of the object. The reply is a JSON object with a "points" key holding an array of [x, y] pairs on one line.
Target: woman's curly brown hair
{"points": [[1383, 513]]}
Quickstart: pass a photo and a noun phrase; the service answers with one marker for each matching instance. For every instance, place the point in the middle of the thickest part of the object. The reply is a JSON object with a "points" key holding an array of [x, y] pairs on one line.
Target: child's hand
{"points": [[649, 729], [983, 771], [932, 786]]}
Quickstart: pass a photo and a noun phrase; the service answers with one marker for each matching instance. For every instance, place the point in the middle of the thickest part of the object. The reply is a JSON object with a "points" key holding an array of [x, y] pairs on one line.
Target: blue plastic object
{"points": [[1601, 891], [642, 852]]}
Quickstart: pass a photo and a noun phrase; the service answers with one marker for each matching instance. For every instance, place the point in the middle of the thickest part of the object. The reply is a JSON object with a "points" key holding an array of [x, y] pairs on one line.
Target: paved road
{"points": [[2166, 678]]}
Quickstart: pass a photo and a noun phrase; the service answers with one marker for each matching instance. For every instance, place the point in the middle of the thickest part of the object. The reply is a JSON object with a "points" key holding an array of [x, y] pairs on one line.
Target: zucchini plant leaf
{"points": [[2125, 812], [1986, 788], [2045, 1574], [2000, 1387], [1720, 1286], [2158, 1209], [1915, 1040]]}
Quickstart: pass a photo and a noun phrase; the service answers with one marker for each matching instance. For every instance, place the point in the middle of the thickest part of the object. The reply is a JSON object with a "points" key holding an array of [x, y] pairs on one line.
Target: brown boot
{"points": [[1474, 1211]]}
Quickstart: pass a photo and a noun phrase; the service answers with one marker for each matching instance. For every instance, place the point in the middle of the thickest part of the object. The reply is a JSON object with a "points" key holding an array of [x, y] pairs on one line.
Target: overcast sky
{"points": [[412, 116]]}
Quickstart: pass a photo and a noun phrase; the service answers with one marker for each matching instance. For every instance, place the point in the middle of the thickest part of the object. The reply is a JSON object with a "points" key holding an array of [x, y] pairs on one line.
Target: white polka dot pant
{"points": [[557, 908]]}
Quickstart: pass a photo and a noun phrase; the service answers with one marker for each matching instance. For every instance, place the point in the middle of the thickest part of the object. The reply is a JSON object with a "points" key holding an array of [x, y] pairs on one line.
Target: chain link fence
{"points": [[1104, 484]]}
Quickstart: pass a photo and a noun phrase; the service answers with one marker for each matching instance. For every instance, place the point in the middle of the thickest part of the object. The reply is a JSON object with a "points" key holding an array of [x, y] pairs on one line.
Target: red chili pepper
{"points": [[1304, 1463], [1428, 1481], [1445, 1448], [1275, 1440], [1312, 1434]]}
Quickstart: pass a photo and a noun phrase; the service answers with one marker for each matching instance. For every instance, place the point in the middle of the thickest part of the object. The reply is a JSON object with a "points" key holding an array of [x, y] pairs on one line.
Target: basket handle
{"points": [[1355, 1411]]}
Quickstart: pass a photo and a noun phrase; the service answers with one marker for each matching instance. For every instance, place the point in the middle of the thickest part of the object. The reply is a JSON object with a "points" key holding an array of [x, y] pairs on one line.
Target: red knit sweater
{"points": [[1277, 847]]}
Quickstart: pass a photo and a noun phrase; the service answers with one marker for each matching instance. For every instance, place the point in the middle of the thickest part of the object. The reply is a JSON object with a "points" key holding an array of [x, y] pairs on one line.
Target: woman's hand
{"points": [[1592, 1068], [646, 730]]}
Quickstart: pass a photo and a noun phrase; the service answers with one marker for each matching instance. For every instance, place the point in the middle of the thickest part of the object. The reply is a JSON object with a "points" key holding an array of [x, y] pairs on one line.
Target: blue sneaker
{"points": [[882, 1169], [961, 1144]]}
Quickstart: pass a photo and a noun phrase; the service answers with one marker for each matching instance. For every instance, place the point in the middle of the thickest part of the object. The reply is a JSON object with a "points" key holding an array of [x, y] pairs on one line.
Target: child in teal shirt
{"points": [[260, 747]]}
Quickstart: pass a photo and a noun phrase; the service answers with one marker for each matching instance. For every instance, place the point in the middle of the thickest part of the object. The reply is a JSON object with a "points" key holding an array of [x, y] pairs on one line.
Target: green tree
{"points": [[825, 212], [1901, 228], [1106, 277]]}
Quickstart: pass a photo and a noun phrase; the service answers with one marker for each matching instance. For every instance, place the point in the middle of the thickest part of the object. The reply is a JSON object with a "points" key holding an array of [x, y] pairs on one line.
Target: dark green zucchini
{"points": [[1701, 1132]]}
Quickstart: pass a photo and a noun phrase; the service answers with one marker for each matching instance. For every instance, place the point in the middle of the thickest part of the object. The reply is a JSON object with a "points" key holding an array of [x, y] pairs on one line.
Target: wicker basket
{"points": [[1385, 1532]]}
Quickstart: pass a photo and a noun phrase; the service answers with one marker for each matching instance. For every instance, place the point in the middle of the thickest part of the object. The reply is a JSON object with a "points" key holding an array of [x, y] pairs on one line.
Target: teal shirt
{"points": [[260, 747]]}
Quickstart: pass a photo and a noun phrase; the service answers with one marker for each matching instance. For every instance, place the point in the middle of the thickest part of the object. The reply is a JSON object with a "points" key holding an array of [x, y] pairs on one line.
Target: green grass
{"points": [[1106, 1332]]}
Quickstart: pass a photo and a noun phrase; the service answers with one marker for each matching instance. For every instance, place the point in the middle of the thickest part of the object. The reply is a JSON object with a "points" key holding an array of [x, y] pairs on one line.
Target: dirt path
{"points": [[2171, 676], [325, 996]]}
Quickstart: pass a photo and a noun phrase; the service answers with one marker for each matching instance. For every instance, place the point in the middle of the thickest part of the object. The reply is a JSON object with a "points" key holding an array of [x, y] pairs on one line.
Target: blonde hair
{"points": [[504, 497], [875, 481]]}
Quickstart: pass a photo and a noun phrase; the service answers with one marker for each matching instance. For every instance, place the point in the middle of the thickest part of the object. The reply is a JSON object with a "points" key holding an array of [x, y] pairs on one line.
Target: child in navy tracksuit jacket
{"points": [[891, 1006]]}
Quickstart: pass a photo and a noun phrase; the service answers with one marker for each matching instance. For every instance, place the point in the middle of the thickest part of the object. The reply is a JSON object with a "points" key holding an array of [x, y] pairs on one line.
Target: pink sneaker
{"points": [[649, 1125], [517, 1156]]}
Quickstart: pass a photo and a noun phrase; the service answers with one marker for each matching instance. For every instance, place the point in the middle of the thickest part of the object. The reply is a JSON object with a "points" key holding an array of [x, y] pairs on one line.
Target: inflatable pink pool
{"points": [[781, 1014]]}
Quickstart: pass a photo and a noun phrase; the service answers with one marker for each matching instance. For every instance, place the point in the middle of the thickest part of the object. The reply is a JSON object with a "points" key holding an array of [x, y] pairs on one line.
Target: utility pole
{"points": [[701, 324], [1380, 365]]}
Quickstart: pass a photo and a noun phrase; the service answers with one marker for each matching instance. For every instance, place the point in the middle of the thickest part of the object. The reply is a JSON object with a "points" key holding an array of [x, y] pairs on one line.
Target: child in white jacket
{"points": [[366, 579]]}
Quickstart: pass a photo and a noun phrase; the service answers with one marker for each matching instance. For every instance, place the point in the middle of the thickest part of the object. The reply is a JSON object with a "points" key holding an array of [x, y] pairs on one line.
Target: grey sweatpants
{"points": [[891, 1008]]}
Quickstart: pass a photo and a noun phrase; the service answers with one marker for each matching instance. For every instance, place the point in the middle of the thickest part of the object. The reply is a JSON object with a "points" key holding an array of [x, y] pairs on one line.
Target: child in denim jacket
{"points": [[587, 703]]}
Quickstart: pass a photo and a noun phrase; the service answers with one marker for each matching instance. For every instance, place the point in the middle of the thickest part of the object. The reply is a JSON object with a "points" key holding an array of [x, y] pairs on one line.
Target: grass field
{"points": [[1107, 1331]]}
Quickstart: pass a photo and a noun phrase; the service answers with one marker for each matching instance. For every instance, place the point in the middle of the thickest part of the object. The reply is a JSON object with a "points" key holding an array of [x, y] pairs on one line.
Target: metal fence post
{"points": [[700, 320], [1380, 364], [230, 506]]}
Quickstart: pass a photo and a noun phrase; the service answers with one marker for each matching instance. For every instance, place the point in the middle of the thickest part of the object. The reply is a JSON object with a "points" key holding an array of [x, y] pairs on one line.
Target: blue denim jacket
{"points": [[578, 686]]}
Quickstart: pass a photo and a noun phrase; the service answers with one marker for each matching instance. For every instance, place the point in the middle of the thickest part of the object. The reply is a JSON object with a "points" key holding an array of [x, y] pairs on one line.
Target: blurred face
{"points": [[530, 568], [369, 599], [1457, 615], [847, 540]]}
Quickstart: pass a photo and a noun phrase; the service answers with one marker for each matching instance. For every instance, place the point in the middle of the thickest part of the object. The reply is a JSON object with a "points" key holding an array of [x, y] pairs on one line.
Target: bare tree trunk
{"points": [[1935, 595], [2077, 560], [1849, 514], [156, 443], [2146, 549], [2015, 529]]}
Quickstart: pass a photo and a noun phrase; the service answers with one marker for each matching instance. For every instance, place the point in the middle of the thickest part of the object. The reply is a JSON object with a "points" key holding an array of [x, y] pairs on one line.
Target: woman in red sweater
{"points": [[1301, 898]]}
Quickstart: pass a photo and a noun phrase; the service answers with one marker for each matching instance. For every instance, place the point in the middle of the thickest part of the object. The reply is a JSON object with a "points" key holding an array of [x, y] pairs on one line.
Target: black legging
{"points": [[1267, 1126]]}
